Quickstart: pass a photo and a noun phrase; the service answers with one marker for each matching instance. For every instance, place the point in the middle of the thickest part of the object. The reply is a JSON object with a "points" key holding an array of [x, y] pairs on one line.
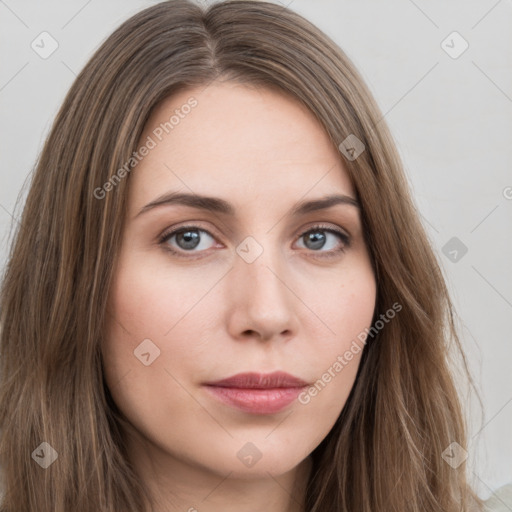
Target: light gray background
{"points": [[451, 119]]}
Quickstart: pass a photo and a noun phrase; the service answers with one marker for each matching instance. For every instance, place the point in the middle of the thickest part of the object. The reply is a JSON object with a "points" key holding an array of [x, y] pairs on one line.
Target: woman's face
{"points": [[264, 278]]}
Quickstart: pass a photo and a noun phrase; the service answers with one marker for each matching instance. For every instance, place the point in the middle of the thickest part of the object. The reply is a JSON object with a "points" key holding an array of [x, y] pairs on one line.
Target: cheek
{"points": [[153, 326], [345, 305], [354, 305], [150, 299], [142, 374]]}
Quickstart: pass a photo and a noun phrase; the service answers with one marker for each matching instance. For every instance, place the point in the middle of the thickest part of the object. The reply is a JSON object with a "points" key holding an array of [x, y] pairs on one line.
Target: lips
{"points": [[257, 393]]}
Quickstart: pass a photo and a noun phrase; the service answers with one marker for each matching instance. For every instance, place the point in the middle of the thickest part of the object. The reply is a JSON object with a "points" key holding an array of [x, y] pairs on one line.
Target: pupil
{"points": [[190, 239], [317, 238]]}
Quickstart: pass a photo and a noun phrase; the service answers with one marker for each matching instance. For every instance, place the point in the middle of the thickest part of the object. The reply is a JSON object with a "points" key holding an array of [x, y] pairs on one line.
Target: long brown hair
{"points": [[385, 451]]}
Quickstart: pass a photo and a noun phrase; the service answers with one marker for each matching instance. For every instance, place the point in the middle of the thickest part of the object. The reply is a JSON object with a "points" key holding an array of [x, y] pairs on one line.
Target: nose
{"points": [[261, 303]]}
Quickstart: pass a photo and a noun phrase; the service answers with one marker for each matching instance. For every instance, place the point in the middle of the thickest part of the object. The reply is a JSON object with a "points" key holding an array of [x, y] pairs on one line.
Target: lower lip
{"points": [[256, 401]]}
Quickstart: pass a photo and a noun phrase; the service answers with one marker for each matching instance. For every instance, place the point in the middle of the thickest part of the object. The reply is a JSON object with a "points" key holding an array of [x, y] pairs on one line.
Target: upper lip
{"points": [[254, 380]]}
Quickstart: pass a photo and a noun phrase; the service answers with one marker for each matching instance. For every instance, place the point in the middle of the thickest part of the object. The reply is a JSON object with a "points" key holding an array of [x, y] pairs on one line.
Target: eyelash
{"points": [[164, 238]]}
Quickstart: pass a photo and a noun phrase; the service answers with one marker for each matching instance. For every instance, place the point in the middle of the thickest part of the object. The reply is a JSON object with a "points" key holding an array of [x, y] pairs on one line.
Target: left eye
{"points": [[317, 238]]}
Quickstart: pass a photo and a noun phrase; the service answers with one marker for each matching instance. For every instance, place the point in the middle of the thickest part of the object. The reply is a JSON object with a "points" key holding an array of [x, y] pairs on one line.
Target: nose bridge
{"points": [[259, 266]]}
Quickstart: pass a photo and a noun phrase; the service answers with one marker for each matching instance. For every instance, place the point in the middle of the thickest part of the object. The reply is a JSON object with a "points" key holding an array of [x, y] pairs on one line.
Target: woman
{"points": [[220, 296]]}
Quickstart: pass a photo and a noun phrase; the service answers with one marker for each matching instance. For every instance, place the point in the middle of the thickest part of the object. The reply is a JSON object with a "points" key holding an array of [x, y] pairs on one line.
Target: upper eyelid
{"points": [[190, 225]]}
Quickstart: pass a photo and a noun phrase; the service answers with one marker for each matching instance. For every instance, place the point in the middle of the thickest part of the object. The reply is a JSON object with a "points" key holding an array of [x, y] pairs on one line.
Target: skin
{"points": [[212, 314]]}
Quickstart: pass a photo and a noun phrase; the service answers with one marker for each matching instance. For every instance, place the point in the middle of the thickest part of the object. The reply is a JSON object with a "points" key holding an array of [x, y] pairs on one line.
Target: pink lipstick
{"points": [[258, 393]]}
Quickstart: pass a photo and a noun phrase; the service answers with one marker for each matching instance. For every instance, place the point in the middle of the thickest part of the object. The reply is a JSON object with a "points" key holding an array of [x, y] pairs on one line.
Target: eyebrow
{"points": [[217, 205]]}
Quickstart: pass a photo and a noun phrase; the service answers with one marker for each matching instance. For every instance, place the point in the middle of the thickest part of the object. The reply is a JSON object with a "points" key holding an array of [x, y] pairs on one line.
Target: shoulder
{"points": [[501, 500]]}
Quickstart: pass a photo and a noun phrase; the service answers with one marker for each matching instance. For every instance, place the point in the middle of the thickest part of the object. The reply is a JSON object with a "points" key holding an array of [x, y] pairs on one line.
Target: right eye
{"points": [[186, 239]]}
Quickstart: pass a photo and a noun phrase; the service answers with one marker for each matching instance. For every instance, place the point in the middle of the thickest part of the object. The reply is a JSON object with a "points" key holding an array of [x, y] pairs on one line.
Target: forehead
{"points": [[239, 142]]}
